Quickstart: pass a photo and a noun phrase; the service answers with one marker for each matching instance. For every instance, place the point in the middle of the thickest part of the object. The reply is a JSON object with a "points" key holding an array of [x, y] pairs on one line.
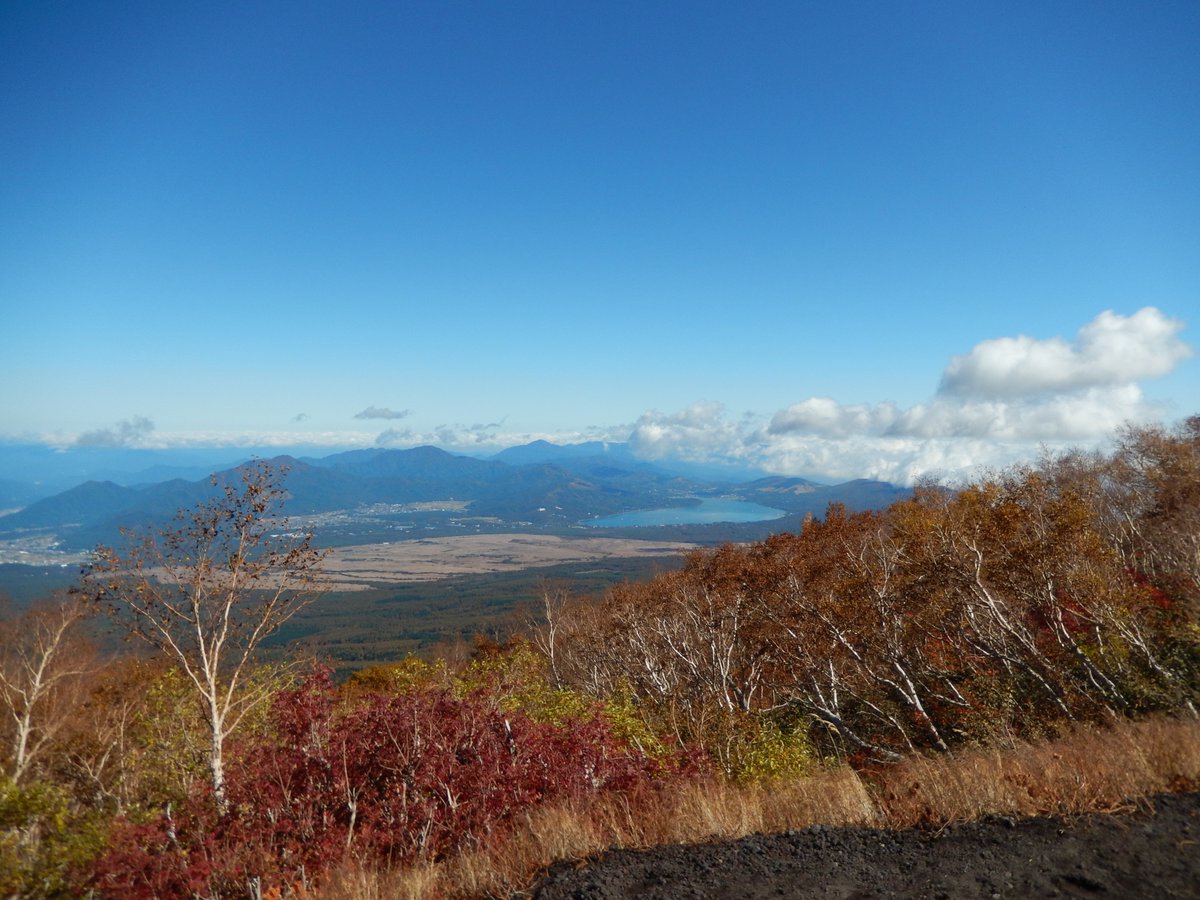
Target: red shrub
{"points": [[393, 779]]}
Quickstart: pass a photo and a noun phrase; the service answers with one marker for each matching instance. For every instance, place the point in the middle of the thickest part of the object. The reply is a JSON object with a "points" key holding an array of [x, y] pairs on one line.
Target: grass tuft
{"points": [[1089, 769]]}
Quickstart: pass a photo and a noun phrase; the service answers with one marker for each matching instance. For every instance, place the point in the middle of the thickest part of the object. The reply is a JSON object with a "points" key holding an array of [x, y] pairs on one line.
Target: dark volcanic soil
{"points": [[1151, 853]]}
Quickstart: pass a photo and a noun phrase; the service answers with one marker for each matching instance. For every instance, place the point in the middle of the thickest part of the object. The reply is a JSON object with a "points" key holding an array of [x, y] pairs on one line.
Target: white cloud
{"points": [[1020, 389], [895, 459], [1110, 350], [699, 432], [1074, 415], [133, 432], [1000, 403], [825, 416], [396, 437]]}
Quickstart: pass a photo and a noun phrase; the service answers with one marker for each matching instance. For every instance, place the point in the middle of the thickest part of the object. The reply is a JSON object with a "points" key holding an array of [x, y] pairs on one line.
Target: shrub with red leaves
{"points": [[394, 778]]}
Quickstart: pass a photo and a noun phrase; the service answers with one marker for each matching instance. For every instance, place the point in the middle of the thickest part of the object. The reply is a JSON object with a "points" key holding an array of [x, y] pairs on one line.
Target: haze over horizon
{"points": [[830, 240]]}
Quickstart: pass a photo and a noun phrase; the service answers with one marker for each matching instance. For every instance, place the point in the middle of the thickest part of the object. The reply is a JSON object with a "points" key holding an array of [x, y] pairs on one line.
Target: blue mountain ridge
{"points": [[539, 485]]}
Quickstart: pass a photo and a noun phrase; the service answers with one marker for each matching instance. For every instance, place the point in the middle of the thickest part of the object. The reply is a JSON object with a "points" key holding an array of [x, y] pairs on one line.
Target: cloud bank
{"points": [[1000, 402], [997, 404]]}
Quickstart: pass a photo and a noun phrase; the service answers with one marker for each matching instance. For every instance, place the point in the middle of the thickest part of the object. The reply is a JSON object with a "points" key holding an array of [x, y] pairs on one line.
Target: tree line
{"points": [[1043, 594]]}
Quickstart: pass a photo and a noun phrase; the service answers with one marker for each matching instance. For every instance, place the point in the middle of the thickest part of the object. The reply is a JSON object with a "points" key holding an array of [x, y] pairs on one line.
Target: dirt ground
{"points": [[348, 568], [1152, 852]]}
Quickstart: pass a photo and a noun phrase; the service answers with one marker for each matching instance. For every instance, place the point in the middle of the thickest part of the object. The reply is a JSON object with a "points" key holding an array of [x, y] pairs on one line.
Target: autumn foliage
{"points": [[390, 778], [1042, 595], [872, 666]]}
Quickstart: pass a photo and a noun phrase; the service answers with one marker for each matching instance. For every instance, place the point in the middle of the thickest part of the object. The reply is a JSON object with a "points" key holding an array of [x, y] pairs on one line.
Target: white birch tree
{"points": [[42, 659], [208, 590]]}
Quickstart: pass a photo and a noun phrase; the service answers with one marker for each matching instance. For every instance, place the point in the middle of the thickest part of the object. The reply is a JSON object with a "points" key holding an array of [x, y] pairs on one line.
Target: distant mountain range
{"points": [[539, 485]]}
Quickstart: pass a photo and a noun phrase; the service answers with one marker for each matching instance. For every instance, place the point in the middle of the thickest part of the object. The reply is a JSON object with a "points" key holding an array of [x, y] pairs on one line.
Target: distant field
{"points": [[373, 565], [368, 625], [385, 600]]}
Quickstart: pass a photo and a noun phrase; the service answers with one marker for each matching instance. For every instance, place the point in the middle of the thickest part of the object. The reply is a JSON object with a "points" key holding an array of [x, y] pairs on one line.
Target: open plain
{"points": [[430, 559]]}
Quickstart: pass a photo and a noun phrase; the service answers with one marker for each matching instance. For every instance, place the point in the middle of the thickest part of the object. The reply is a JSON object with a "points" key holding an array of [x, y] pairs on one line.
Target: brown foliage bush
{"points": [[1063, 592]]}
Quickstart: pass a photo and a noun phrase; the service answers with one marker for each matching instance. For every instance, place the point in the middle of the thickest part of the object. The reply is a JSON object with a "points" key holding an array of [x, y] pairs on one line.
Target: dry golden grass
{"points": [[1087, 770], [354, 881], [429, 559]]}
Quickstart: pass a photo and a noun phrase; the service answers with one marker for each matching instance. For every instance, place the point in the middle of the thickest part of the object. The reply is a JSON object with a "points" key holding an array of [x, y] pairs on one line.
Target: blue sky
{"points": [[831, 239]]}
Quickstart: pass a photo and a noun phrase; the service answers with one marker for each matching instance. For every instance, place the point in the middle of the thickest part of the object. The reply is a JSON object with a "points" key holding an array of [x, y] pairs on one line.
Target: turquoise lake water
{"points": [[707, 512]]}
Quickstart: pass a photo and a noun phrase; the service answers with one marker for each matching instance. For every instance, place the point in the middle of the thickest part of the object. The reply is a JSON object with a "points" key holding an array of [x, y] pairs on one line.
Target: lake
{"points": [[706, 512]]}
